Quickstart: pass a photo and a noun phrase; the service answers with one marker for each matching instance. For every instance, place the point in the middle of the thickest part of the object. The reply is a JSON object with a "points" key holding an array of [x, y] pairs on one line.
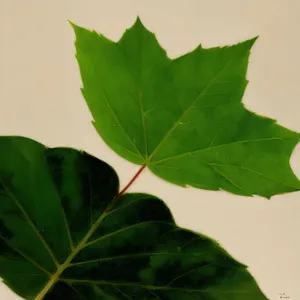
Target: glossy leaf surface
{"points": [[183, 118], [57, 241]]}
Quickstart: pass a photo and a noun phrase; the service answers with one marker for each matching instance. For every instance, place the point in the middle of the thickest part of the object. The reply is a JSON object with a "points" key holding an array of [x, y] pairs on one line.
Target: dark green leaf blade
{"points": [[58, 242], [184, 118]]}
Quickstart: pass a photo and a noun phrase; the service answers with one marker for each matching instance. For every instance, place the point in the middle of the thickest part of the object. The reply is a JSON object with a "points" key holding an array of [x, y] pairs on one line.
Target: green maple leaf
{"points": [[58, 242], [183, 118]]}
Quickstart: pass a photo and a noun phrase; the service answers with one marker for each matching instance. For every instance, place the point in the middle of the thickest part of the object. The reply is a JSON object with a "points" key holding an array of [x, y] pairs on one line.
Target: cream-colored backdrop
{"points": [[40, 98]]}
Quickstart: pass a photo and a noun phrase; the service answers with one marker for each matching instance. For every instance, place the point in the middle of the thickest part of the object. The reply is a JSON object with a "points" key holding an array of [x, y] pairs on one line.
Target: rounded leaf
{"points": [[59, 241]]}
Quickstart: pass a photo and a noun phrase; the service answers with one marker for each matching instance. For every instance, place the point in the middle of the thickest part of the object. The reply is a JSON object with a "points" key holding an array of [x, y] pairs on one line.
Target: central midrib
{"points": [[61, 268], [188, 109]]}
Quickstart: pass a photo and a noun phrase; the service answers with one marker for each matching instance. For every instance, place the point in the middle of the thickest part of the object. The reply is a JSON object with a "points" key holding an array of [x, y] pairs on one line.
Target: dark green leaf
{"points": [[184, 118], [58, 242]]}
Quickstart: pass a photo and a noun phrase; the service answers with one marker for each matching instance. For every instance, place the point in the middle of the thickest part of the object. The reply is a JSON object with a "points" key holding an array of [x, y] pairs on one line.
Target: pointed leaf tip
{"points": [[253, 40], [80, 31], [250, 42], [138, 22], [74, 26], [70, 22]]}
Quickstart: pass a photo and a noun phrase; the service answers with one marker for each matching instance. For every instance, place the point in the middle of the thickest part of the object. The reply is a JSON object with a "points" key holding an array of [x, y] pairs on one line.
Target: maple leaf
{"points": [[184, 118]]}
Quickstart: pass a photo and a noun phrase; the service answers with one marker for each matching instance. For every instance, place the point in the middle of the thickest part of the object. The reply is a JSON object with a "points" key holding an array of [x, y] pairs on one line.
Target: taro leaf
{"points": [[183, 118], [58, 242]]}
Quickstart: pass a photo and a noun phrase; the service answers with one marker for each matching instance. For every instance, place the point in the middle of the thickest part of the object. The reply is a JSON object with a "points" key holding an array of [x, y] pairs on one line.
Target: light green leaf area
{"points": [[184, 117], [58, 240]]}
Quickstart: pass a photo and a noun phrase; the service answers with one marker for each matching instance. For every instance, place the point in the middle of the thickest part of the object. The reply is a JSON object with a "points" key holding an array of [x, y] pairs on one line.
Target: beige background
{"points": [[40, 98]]}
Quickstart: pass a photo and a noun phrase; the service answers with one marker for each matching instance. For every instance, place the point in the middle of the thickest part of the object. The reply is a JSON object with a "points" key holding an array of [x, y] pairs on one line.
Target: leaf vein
{"points": [[217, 146], [257, 172], [122, 230], [137, 255], [119, 122], [188, 109], [153, 287], [30, 222], [28, 258]]}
